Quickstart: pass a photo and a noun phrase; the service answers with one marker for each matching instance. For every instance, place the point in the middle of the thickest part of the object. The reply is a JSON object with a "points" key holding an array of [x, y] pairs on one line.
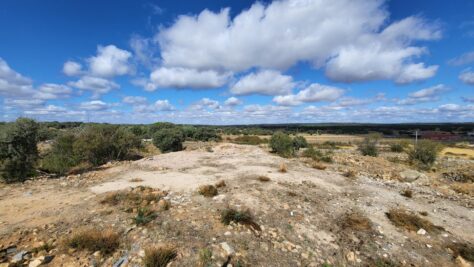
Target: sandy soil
{"points": [[299, 211]]}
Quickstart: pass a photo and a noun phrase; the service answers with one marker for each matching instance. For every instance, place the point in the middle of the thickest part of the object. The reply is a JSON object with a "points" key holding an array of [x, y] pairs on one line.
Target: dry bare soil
{"points": [[357, 211]]}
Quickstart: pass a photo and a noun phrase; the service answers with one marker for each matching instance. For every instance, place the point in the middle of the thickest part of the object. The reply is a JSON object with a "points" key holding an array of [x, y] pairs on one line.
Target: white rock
{"points": [[227, 248], [227, 233], [421, 231]]}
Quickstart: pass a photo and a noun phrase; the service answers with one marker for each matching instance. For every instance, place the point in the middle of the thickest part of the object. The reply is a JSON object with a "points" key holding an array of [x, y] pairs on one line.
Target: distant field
{"points": [[462, 152], [343, 138]]}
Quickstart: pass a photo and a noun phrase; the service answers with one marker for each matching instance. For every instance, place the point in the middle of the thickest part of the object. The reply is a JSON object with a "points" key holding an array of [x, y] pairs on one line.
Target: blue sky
{"points": [[233, 62]]}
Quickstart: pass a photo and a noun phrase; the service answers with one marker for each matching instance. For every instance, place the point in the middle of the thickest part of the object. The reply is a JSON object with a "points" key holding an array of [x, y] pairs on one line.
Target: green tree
{"points": [[169, 139], [18, 151], [282, 144]]}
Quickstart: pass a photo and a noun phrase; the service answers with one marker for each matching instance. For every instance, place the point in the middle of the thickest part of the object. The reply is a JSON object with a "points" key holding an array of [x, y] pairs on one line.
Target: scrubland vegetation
{"points": [[257, 196]]}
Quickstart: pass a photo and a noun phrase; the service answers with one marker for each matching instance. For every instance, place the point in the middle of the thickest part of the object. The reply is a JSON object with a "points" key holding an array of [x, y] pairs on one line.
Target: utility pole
{"points": [[416, 137]]}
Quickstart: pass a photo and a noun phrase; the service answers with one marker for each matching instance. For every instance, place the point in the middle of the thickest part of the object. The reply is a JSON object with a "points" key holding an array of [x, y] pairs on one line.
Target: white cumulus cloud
{"points": [[186, 78], [97, 86], [313, 93], [352, 38], [265, 82], [467, 77], [72, 68], [110, 61], [232, 101]]}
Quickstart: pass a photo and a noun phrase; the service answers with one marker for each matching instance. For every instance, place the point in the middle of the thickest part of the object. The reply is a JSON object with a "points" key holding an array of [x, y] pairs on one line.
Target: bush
{"points": [[424, 154], [317, 155], [282, 144], [158, 127], [396, 147], [169, 139], [94, 146], [299, 142], [61, 157], [399, 146], [206, 134], [249, 140], [99, 144], [368, 147], [231, 215], [18, 151]]}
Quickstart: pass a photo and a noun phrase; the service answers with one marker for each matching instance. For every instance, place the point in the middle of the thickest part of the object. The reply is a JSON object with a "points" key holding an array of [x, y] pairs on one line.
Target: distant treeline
{"points": [[47, 129]]}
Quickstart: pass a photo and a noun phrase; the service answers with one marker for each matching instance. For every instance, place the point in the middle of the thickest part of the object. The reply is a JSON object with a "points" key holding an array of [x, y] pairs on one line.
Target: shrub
{"points": [[61, 157], [93, 146], [249, 140], [317, 155], [93, 240], [159, 256], [208, 190], [424, 154], [206, 134], [396, 147], [229, 215], [169, 140], [282, 144], [18, 151], [155, 127], [299, 142], [47, 133], [144, 216], [99, 144], [368, 147]]}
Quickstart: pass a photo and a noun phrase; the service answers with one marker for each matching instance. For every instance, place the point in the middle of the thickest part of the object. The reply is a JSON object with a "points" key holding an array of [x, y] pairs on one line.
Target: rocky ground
{"points": [[356, 211]]}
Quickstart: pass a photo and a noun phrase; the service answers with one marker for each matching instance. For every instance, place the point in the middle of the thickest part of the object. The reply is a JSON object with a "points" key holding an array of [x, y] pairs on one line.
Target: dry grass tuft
{"points": [[463, 249], [407, 193], [463, 188], [244, 217], [350, 174], [205, 257], [292, 194], [282, 168], [404, 219], [263, 178], [105, 241], [159, 256], [355, 221], [208, 190], [220, 184], [138, 197], [318, 166], [135, 180]]}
